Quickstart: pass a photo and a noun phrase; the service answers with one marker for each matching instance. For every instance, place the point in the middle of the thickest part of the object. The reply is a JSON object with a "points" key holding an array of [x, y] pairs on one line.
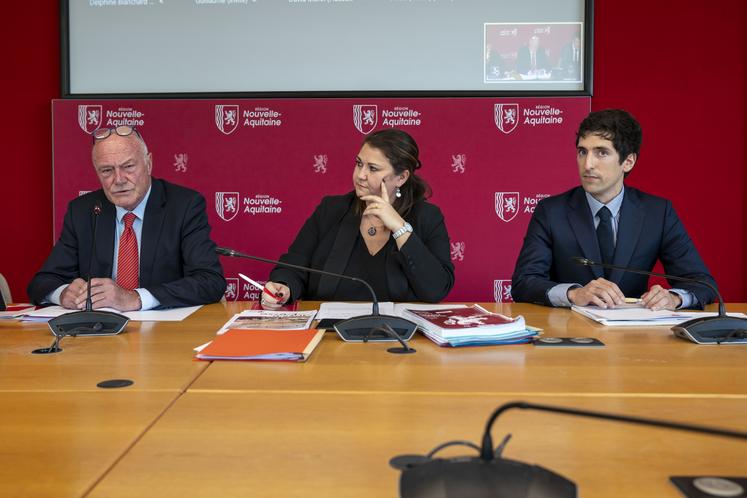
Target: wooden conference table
{"points": [[329, 426]]}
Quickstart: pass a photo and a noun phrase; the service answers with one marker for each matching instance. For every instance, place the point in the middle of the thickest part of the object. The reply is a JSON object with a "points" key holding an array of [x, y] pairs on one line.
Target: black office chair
{"points": [[4, 293]]}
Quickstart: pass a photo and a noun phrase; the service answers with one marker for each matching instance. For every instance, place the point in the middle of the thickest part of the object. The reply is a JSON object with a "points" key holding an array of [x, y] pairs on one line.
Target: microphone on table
{"points": [[89, 321], [721, 329], [492, 476], [357, 329]]}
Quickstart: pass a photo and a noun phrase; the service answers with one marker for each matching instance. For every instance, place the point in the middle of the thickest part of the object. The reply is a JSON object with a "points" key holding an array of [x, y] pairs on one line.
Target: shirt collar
{"points": [[139, 210], [614, 205]]}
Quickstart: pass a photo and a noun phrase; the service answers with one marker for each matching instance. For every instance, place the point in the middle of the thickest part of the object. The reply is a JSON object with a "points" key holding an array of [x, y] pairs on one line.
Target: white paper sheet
{"points": [[638, 315], [166, 315], [343, 311]]}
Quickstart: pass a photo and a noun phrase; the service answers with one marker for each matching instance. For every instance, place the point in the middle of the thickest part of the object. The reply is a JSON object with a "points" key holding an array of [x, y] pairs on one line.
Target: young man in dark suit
{"points": [[603, 220], [153, 246]]}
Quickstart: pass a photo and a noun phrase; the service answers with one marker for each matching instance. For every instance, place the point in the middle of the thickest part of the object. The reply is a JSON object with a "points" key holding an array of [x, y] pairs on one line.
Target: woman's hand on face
{"points": [[272, 303], [383, 209]]}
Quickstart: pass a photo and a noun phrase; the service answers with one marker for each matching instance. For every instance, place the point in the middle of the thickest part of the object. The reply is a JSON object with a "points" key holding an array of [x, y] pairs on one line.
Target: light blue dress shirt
{"points": [[147, 299], [558, 295]]}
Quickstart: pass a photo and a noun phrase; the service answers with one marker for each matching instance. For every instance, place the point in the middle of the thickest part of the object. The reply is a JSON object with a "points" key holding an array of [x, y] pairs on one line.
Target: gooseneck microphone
{"points": [[721, 329], [491, 475], [373, 327], [486, 451], [224, 251], [96, 213], [89, 321]]}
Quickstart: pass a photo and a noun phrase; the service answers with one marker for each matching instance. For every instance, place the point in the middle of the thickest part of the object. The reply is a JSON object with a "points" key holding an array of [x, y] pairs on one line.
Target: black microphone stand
{"points": [[721, 329], [405, 349], [491, 475], [356, 329], [486, 451], [55, 347], [89, 322]]}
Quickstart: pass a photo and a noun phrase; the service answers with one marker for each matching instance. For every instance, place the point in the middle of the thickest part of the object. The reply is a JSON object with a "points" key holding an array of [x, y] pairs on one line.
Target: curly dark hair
{"points": [[402, 152], [617, 126]]}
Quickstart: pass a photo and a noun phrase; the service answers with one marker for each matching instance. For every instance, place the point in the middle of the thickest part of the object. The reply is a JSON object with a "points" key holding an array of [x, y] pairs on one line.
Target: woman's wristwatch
{"points": [[399, 233]]}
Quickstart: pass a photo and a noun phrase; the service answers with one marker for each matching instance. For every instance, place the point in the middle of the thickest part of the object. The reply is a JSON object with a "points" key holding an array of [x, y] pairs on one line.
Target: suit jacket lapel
{"points": [[339, 255], [582, 224], [628, 232], [105, 233], [155, 212]]}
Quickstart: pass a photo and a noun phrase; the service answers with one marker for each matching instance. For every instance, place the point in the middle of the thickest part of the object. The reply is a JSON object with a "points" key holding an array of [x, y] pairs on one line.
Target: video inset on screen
{"points": [[533, 53]]}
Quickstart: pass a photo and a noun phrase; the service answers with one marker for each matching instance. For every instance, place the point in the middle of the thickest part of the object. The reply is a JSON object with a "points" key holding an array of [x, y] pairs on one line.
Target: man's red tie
{"points": [[128, 264]]}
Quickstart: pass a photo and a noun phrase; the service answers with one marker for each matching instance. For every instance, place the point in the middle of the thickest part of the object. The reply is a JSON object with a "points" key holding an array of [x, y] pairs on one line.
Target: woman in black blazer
{"points": [[383, 232]]}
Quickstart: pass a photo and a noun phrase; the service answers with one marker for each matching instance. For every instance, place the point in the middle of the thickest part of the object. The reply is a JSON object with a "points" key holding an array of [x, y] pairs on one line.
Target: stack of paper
{"points": [[264, 335], [519, 337], [470, 326], [636, 315], [160, 315], [16, 311]]}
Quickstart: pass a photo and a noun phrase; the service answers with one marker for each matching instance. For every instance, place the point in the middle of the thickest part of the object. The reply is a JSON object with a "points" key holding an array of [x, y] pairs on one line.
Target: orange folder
{"points": [[257, 344]]}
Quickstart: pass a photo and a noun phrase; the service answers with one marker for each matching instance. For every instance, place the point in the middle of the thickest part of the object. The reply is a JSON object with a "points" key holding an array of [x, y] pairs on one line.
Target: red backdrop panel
{"points": [[263, 165]]}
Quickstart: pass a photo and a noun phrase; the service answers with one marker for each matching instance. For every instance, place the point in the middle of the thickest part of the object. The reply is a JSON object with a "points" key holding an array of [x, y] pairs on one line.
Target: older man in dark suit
{"points": [[532, 57], [603, 220], [153, 246]]}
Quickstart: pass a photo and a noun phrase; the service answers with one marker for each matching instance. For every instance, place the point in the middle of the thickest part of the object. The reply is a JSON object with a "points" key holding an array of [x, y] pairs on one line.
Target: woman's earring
{"points": [[398, 194]]}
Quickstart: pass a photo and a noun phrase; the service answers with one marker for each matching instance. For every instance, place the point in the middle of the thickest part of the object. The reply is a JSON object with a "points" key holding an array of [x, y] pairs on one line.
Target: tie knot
{"points": [[604, 214], [129, 219]]}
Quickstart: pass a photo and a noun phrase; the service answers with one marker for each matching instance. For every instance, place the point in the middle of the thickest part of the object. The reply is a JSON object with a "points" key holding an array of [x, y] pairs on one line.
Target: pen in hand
{"points": [[261, 287]]}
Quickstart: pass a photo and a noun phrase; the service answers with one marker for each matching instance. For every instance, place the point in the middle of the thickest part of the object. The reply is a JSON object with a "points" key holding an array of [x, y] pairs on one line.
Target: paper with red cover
{"points": [[243, 344], [472, 320]]}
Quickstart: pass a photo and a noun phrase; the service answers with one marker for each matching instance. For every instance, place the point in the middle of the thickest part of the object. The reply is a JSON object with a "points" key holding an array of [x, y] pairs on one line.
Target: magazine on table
{"points": [[270, 319]]}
